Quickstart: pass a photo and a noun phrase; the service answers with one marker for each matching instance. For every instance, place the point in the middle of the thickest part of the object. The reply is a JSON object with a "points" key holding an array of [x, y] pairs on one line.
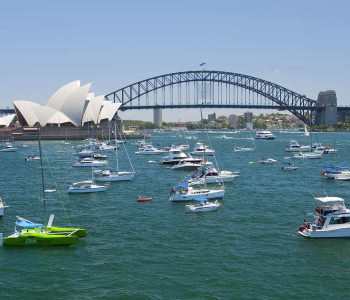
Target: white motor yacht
{"points": [[295, 147], [201, 149], [242, 149], [268, 160], [149, 150], [86, 187], [32, 158], [337, 172], [207, 173], [183, 192], [265, 135], [90, 162], [107, 175], [176, 155], [311, 155], [332, 219], [8, 147], [185, 165], [202, 206], [85, 153]]}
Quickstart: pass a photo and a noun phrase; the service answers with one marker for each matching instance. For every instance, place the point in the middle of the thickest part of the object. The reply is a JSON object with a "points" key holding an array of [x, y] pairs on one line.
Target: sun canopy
{"points": [[27, 224], [329, 199], [183, 184]]}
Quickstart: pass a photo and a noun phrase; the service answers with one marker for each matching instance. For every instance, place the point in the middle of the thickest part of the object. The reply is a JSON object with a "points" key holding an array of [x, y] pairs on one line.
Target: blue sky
{"points": [[302, 45]]}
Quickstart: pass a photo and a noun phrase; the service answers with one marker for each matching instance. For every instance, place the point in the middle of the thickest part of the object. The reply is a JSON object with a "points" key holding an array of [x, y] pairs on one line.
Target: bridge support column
{"points": [[157, 117], [327, 112]]}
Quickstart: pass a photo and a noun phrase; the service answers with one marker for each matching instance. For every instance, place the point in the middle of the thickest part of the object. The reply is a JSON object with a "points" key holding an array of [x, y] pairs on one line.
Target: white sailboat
{"points": [[107, 175], [306, 132]]}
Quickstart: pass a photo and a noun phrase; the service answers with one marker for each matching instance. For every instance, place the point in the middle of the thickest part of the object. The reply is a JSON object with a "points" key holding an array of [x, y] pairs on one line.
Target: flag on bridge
{"points": [[202, 64]]}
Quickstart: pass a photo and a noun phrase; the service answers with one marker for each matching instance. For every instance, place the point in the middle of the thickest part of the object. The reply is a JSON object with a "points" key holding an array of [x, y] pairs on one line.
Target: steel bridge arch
{"points": [[299, 105]]}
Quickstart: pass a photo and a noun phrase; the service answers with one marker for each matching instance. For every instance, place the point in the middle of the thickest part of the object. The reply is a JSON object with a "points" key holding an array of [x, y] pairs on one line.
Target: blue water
{"points": [[248, 249]]}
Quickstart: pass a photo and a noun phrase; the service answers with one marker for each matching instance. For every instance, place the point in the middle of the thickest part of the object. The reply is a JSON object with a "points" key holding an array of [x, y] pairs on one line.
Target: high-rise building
{"points": [[248, 117], [157, 117], [328, 115], [233, 121], [211, 117]]}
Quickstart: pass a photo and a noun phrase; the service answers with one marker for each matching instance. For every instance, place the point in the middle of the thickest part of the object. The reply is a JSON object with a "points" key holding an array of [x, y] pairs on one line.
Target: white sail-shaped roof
{"points": [[109, 109], [59, 97], [92, 110], [26, 109], [75, 103], [6, 120]]}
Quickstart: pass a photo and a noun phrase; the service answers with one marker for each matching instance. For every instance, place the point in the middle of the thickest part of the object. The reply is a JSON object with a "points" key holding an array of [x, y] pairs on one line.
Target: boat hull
{"points": [[35, 238], [78, 232], [87, 190], [121, 176], [202, 208], [326, 233], [209, 194]]}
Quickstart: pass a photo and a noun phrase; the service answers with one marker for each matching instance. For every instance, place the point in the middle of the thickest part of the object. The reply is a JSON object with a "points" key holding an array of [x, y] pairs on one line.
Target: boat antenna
{"points": [[41, 167]]}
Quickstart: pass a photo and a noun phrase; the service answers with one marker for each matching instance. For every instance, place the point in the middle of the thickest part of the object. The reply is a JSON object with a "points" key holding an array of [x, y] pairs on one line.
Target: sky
{"points": [[301, 45]]}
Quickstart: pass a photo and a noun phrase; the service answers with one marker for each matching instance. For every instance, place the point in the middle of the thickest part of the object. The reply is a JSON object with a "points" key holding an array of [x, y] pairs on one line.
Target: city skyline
{"points": [[298, 45]]}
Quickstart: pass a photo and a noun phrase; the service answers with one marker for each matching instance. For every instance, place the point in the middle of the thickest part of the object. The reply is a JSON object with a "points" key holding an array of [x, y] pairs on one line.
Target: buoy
{"points": [[143, 199]]}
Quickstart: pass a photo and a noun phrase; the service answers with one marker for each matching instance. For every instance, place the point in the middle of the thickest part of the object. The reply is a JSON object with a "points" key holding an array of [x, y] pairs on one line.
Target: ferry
{"points": [[265, 135]]}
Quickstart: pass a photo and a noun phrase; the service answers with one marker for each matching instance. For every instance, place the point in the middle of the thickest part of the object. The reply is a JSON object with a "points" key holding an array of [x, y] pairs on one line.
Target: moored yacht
{"points": [[294, 146], [332, 219], [183, 192], [265, 135], [336, 172], [201, 149], [149, 149], [176, 155], [90, 162], [87, 186], [8, 147]]}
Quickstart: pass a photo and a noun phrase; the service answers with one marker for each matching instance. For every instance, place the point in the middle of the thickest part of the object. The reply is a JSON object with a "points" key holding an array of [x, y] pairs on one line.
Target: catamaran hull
{"points": [[78, 232], [87, 190], [39, 239]]}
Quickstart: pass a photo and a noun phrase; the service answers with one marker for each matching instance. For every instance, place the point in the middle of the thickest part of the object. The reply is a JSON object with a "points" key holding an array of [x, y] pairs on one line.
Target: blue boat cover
{"points": [[27, 224], [200, 199], [183, 184]]}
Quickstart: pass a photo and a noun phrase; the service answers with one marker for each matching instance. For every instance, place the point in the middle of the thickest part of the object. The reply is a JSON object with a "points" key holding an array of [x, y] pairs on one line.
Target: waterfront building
{"points": [[233, 121], [248, 117], [212, 117]]}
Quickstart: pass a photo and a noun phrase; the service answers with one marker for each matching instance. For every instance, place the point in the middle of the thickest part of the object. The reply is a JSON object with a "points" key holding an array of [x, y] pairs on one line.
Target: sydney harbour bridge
{"points": [[218, 89]]}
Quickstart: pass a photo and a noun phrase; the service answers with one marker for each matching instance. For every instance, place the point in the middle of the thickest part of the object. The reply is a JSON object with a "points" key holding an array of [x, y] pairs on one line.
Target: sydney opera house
{"points": [[72, 106]]}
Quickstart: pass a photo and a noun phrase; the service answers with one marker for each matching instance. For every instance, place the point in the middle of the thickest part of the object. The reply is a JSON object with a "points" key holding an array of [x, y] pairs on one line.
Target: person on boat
{"points": [[173, 190], [306, 224], [319, 223]]}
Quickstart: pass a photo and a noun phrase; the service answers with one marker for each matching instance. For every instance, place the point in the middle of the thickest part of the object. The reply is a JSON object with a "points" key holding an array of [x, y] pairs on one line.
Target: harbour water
{"points": [[248, 249]]}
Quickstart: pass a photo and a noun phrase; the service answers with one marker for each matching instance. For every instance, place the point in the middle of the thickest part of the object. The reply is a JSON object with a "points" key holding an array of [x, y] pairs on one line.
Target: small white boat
{"points": [[268, 160], [176, 155], [306, 132], [32, 158], [201, 149], [185, 165], [90, 162], [311, 155], [332, 219], [242, 149], [150, 150], [183, 192], [294, 146], [289, 167], [337, 172], [85, 153], [8, 147], [107, 175], [202, 206], [265, 135], [87, 186]]}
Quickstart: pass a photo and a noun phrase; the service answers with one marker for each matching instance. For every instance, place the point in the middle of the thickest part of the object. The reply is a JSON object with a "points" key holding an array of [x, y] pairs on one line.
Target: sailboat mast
{"points": [[41, 167], [116, 144]]}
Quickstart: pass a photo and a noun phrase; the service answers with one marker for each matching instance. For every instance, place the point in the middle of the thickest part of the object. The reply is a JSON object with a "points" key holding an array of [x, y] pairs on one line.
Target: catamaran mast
{"points": [[41, 167]]}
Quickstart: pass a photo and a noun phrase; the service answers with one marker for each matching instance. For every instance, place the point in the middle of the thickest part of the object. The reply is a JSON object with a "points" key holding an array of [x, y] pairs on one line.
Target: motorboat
{"points": [[184, 192], [2, 208], [242, 149], [149, 150], [326, 150], [306, 132], [8, 147], [90, 162], [99, 156], [311, 155], [105, 147], [32, 158], [332, 219], [201, 149], [265, 135], [87, 186], [336, 172], [176, 155], [268, 160], [202, 206], [107, 175], [185, 165], [182, 147], [207, 173], [294, 146], [289, 167], [85, 153]]}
